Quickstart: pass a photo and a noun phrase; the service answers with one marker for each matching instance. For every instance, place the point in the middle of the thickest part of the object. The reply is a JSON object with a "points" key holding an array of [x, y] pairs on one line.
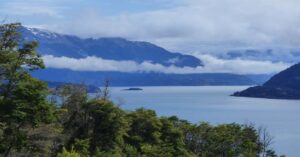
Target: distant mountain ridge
{"points": [[284, 85], [118, 49], [142, 79], [273, 55]]}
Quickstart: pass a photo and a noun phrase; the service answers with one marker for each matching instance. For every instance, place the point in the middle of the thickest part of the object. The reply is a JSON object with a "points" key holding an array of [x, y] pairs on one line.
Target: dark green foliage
{"points": [[82, 146], [109, 126], [110, 131], [223, 140], [66, 153], [144, 128], [95, 124], [103, 129], [23, 103]]}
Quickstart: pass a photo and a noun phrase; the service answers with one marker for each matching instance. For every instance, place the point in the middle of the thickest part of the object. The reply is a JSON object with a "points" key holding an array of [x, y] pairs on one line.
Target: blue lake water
{"points": [[214, 105]]}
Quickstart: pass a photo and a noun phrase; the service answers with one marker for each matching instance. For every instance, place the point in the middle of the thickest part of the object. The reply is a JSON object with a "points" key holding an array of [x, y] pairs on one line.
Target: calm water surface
{"points": [[213, 104]]}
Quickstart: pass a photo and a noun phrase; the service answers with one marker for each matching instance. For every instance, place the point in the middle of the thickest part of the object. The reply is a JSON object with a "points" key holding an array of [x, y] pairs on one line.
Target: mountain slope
{"points": [[107, 48], [119, 49], [284, 85], [289, 78]]}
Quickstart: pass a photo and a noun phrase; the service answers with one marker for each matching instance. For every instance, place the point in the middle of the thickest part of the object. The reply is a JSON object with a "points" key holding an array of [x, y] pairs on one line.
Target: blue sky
{"points": [[39, 12], [188, 26]]}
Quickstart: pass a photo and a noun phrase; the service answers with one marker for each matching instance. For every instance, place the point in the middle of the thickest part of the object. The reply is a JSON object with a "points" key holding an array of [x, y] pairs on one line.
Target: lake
{"points": [[214, 105]]}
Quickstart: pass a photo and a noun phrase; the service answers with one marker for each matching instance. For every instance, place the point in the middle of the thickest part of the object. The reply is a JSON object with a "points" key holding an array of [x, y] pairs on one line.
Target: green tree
{"points": [[66, 153], [144, 128], [154, 136], [109, 125], [96, 121], [23, 99]]}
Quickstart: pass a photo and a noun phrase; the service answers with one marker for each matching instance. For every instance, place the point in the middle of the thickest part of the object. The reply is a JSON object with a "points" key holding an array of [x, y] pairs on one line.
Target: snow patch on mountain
{"points": [[43, 33]]}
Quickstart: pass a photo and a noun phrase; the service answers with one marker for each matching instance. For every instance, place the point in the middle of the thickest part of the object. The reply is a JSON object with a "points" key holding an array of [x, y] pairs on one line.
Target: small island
{"points": [[133, 89]]}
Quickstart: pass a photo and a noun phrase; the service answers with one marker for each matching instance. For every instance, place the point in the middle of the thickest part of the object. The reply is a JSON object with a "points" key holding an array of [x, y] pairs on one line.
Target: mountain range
{"points": [[270, 54], [142, 79], [119, 49]]}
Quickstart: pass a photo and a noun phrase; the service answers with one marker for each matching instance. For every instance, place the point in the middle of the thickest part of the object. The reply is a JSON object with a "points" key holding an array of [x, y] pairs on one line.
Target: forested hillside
{"points": [[284, 85]]}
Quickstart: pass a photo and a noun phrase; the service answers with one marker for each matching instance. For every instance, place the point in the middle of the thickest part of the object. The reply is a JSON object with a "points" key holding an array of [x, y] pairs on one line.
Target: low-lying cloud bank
{"points": [[212, 65]]}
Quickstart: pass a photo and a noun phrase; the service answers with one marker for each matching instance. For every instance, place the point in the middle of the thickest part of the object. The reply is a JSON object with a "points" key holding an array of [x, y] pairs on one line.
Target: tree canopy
{"points": [[23, 99]]}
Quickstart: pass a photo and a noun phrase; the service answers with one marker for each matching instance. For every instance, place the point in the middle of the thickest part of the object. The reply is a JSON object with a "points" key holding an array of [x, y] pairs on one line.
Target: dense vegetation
{"points": [[32, 124]]}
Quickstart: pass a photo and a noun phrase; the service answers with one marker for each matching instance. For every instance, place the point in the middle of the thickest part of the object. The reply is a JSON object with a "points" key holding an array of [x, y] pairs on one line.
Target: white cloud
{"points": [[30, 8], [240, 66], [212, 65], [200, 25], [184, 25]]}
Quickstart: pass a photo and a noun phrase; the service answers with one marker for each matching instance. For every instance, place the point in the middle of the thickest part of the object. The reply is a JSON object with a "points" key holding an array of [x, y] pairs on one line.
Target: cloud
{"points": [[240, 66], [212, 65], [199, 25], [32, 8], [179, 25]]}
